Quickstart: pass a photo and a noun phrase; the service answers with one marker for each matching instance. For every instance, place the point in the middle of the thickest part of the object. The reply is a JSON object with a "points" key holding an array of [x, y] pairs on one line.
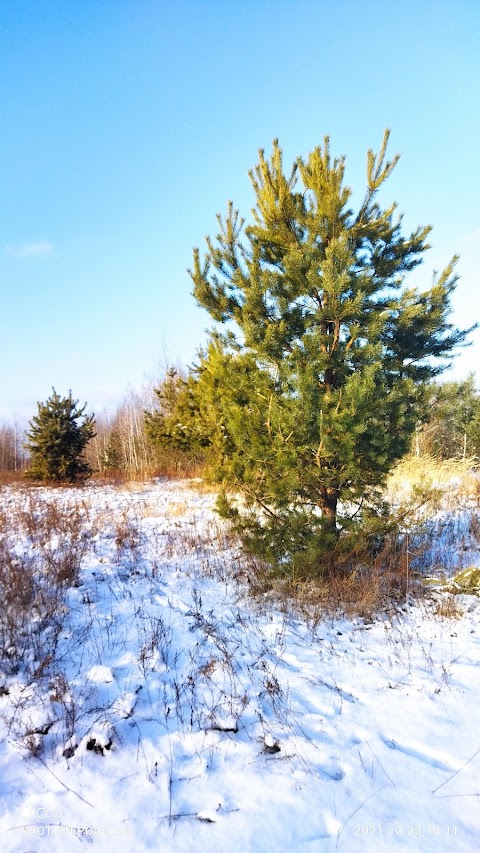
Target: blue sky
{"points": [[128, 124]]}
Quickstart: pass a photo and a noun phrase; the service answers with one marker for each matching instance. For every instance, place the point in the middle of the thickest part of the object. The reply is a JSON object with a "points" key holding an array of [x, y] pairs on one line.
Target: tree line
{"points": [[117, 447], [140, 438]]}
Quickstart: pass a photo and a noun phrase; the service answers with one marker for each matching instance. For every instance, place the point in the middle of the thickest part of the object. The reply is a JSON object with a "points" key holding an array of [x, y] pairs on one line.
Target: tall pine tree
{"points": [[317, 383], [57, 439]]}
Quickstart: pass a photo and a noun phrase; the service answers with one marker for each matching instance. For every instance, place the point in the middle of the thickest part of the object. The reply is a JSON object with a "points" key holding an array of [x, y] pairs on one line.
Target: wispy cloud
{"points": [[472, 236], [39, 249]]}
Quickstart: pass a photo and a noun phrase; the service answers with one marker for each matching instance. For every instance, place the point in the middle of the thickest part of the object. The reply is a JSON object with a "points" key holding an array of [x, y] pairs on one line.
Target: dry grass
{"points": [[176, 509], [129, 540], [377, 585], [135, 486], [205, 681], [110, 478], [447, 606], [8, 478], [35, 575], [375, 569], [445, 482], [203, 487]]}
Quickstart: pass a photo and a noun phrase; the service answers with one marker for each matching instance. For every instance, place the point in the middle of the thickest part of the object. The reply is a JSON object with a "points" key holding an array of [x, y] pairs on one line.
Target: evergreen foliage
{"points": [[314, 389], [57, 439], [453, 427], [178, 424], [112, 455]]}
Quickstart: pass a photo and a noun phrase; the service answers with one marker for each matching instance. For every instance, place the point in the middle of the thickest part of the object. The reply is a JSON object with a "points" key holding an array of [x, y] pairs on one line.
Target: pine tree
{"points": [[318, 383], [178, 424], [452, 430], [57, 440]]}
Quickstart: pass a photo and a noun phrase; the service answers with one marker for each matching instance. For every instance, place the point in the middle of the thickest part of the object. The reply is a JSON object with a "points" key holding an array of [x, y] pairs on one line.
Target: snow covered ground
{"points": [[173, 713]]}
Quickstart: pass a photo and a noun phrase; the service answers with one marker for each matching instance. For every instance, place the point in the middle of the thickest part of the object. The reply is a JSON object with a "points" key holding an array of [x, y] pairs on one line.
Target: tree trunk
{"points": [[328, 500]]}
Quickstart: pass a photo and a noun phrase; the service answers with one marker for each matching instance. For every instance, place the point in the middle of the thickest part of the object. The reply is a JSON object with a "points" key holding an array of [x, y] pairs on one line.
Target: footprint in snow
{"points": [[333, 772], [421, 754]]}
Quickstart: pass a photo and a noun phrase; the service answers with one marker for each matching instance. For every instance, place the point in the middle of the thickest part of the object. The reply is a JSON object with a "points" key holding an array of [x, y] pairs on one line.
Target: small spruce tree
{"points": [[57, 439], [113, 453]]}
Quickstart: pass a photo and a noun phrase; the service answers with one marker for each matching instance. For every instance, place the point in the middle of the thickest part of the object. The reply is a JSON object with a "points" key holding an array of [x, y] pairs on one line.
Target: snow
{"points": [[180, 715]]}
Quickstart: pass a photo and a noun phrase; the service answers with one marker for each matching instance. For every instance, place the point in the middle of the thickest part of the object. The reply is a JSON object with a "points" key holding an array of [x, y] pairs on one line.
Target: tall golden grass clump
{"points": [[446, 483]]}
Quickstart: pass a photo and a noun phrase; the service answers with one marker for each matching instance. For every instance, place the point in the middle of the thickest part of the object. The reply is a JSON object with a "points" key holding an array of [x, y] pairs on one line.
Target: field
{"points": [[149, 701]]}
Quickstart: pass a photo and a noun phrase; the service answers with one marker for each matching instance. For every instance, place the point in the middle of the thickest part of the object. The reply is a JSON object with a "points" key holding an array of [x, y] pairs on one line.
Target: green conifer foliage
{"points": [[57, 439], [179, 422], [318, 383], [113, 455], [452, 430]]}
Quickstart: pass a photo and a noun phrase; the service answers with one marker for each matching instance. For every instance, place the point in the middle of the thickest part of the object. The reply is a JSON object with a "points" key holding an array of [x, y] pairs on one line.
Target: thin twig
{"points": [[380, 763], [447, 796], [355, 812], [456, 772], [63, 783]]}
